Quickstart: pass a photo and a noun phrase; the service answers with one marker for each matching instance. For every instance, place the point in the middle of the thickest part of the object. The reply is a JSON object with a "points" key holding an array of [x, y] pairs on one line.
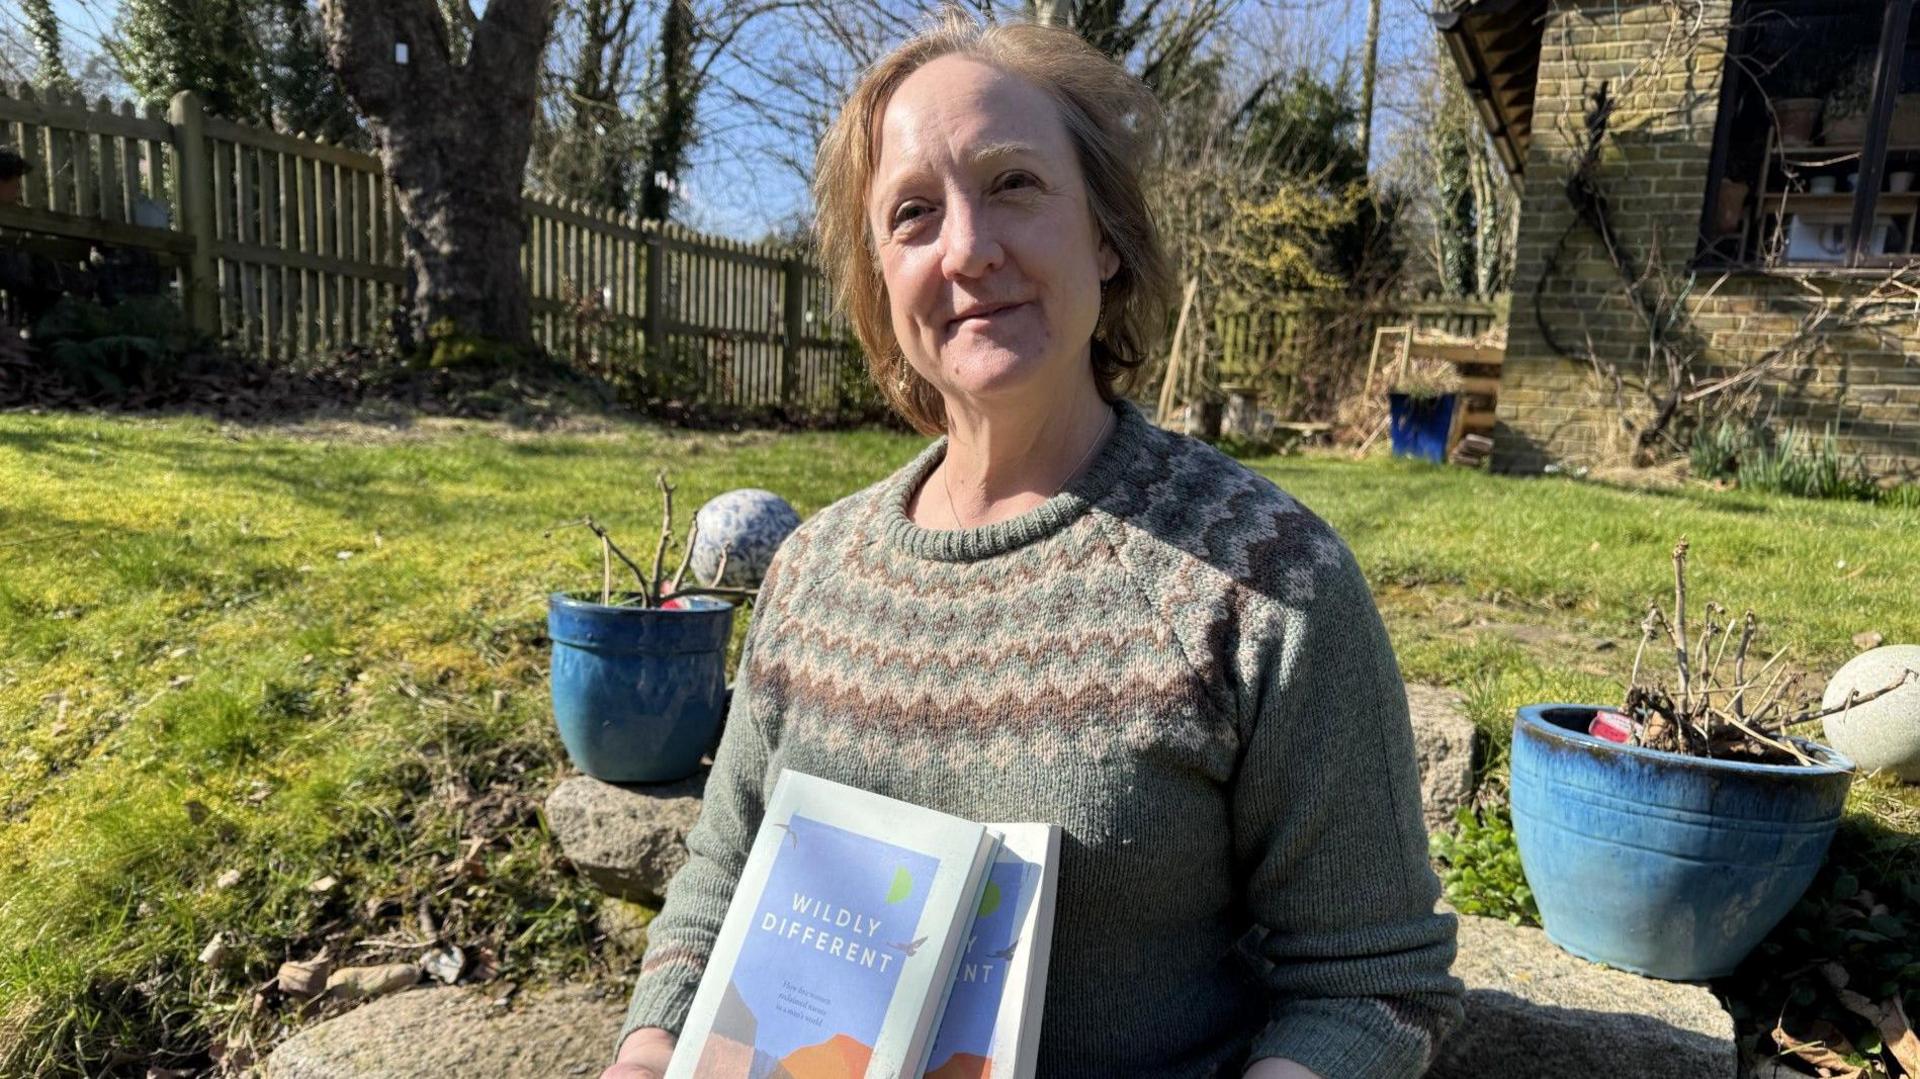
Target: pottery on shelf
{"points": [[1797, 117], [1731, 209], [1904, 130]]}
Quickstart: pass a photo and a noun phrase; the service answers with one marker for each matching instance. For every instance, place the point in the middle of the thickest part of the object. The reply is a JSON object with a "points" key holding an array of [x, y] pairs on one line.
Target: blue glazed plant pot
{"points": [[1659, 863], [1419, 426], [638, 694]]}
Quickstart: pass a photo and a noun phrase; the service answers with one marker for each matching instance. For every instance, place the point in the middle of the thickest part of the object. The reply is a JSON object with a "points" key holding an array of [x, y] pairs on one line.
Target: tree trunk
{"points": [[454, 138], [1369, 71], [673, 120]]}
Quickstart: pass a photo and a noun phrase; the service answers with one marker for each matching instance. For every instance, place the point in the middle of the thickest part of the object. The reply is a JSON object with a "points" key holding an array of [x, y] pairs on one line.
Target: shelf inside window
{"points": [[1893, 202], [1832, 154]]}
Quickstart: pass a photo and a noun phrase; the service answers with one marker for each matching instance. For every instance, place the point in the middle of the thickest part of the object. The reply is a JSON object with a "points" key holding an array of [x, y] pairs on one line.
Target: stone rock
{"points": [[1533, 1010], [750, 524], [1443, 740], [624, 924], [1883, 733], [458, 1034], [629, 840]]}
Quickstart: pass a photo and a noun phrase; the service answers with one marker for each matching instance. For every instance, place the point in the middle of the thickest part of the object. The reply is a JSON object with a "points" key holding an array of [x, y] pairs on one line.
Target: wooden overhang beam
{"points": [[1495, 46]]}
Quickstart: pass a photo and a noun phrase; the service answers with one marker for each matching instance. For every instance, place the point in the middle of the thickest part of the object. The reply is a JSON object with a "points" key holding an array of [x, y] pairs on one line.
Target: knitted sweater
{"points": [[1179, 665]]}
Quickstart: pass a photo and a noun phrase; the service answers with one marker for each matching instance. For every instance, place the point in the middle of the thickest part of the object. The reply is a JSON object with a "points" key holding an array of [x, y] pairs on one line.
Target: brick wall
{"points": [[1654, 170]]}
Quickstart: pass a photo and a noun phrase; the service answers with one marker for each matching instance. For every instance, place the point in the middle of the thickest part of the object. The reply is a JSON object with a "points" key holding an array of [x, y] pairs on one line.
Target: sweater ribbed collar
{"points": [[1130, 431]]}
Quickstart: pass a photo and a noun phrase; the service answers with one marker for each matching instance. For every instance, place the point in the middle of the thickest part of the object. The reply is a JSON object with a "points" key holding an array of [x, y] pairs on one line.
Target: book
{"points": [[840, 943], [990, 1028]]}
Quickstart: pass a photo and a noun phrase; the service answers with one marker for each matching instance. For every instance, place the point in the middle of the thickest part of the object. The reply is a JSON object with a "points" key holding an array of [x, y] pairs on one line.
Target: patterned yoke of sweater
{"points": [[1179, 665]]}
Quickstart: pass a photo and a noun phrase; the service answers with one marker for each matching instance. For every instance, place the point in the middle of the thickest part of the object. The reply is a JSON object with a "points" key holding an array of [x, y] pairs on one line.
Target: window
{"points": [[1818, 145]]}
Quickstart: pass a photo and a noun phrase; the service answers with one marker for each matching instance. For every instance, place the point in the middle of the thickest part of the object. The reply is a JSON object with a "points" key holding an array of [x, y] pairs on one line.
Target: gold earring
{"points": [[900, 383]]}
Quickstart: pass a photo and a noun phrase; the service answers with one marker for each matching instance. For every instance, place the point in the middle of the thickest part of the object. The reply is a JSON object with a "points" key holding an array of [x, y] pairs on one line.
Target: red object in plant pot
{"points": [[1613, 727]]}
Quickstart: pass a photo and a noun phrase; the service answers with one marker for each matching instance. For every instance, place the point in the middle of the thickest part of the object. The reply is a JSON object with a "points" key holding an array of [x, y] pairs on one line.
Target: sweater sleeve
{"points": [[1329, 834], [680, 938]]}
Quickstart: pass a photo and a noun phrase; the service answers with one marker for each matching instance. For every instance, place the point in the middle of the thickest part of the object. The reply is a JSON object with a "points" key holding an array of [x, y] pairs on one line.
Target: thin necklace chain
{"points": [[946, 473]]}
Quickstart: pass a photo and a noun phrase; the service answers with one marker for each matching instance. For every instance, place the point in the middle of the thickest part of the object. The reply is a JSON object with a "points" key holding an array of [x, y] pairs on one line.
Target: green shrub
{"points": [[1717, 448], [1480, 867], [1796, 466], [1904, 497], [100, 349], [1857, 929], [1792, 464]]}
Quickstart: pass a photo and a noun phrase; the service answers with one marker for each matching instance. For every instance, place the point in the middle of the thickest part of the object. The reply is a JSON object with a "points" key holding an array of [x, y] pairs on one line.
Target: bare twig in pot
{"points": [[666, 531], [1647, 625], [1854, 697], [606, 571], [1740, 659], [1679, 623], [693, 539]]}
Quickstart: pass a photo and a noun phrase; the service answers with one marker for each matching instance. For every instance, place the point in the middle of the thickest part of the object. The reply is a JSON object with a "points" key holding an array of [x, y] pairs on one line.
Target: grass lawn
{"points": [[235, 662]]}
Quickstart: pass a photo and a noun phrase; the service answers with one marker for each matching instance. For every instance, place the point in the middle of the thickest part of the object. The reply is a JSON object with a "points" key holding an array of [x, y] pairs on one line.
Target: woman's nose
{"points": [[970, 246]]}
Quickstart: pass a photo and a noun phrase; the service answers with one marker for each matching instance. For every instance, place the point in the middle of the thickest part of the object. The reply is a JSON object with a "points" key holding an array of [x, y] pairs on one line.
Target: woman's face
{"points": [[987, 246]]}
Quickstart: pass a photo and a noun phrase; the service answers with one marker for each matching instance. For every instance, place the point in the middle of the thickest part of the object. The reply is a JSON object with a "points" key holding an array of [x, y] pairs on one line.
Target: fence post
{"points": [[793, 302], [193, 206]]}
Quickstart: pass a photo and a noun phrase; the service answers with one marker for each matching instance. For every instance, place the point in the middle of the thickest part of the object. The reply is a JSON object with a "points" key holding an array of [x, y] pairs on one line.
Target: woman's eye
{"points": [[1017, 180], [906, 215]]}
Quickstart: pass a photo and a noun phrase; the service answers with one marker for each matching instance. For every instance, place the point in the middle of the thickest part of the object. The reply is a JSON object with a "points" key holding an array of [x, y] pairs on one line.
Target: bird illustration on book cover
{"points": [[963, 1048], [817, 973]]}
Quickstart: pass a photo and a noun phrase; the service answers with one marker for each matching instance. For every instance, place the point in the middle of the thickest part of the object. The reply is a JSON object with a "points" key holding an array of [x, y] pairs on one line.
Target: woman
{"points": [[1060, 612]]}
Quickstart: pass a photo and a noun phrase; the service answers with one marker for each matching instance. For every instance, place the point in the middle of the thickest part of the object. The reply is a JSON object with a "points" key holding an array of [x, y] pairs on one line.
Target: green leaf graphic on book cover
{"points": [[989, 899], [902, 886]]}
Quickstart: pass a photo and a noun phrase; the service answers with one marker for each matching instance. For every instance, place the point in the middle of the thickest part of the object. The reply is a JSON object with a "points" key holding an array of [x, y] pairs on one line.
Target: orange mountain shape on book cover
{"points": [[964, 1066], [839, 1057]]}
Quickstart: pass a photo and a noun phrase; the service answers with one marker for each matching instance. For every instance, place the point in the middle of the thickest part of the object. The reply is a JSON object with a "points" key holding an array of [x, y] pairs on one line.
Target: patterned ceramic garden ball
{"points": [[750, 524], [1885, 732]]}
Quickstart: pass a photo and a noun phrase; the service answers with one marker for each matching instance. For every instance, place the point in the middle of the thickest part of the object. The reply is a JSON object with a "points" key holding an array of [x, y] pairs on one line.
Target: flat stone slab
{"points": [[629, 840], [1443, 741], [458, 1034], [1533, 1010]]}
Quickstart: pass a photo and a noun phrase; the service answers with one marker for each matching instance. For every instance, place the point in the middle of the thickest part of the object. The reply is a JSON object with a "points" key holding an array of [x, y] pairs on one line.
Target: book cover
{"points": [[841, 938], [990, 1028]]}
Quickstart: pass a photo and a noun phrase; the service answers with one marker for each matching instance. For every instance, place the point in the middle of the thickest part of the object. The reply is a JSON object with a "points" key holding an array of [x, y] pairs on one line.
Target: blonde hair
{"points": [[1110, 116]]}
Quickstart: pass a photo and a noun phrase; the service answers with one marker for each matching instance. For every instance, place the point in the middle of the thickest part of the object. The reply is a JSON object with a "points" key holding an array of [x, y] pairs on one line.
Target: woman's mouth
{"points": [[983, 314]]}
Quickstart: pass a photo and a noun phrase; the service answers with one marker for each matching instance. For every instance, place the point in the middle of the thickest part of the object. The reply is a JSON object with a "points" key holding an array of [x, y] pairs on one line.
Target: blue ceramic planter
{"points": [[638, 694], [1665, 865], [1419, 426]]}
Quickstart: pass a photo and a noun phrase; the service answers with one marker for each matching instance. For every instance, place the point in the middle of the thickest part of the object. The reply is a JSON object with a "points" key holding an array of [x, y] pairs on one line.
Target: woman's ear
{"points": [[1109, 262]]}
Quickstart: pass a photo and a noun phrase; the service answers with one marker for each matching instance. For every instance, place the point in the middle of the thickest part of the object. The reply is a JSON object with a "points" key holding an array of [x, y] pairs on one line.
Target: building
{"points": [[1718, 198]]}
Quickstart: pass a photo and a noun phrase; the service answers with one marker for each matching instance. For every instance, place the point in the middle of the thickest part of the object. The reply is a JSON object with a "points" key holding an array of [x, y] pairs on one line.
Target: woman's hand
{"points": [[644, 1055]]}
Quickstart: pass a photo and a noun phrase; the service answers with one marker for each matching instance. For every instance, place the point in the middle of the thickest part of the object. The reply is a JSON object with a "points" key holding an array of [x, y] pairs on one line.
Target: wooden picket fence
{"points": [[1301, 352], [290, 247]]}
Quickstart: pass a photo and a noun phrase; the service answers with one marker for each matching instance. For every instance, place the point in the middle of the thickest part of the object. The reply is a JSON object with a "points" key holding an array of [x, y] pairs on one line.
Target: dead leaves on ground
{"points": [[1831, 1053]]}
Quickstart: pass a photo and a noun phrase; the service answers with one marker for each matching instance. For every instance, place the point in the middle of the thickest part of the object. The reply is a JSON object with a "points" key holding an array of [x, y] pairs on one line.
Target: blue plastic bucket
{"points": [[638, 693], [1666, 865], [1419, 426]]}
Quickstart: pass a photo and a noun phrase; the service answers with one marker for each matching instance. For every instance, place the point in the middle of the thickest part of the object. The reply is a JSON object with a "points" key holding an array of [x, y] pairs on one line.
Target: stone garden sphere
{"points": [[750, 524], [1882, 733]]}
